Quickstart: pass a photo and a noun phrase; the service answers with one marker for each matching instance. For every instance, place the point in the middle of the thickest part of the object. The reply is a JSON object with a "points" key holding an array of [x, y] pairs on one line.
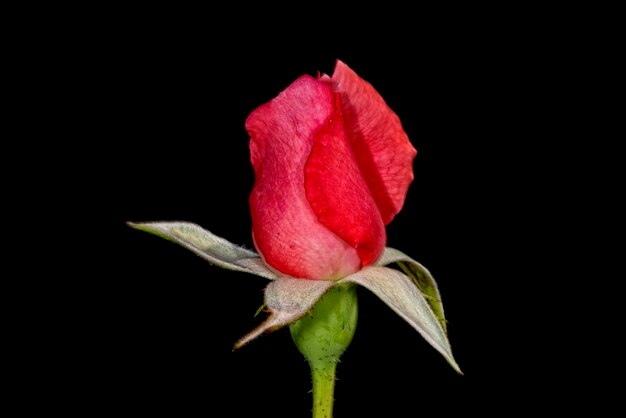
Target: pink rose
{"points": [[332, 166]]}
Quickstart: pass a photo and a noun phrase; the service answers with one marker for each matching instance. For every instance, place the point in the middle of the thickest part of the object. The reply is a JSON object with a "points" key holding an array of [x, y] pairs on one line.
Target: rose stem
{"points": [[322, 336]]}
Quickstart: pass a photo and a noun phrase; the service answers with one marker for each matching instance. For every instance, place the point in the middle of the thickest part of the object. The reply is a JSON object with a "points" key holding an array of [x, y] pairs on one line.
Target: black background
{"points": [[159, 104]]}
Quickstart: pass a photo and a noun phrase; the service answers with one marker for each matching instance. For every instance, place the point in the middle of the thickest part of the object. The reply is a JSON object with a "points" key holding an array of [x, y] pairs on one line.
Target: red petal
{"points": [[381, 146], [338, 193], [286, 231]]}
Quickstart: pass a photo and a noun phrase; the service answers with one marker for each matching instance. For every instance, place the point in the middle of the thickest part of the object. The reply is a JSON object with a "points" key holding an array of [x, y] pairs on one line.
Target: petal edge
{"points": [[381, 145]]}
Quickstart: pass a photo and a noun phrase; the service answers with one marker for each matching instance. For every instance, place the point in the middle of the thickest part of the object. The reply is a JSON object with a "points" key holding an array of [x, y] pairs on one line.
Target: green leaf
{"points": [[403, 296], [212, 248], [420, 276]]}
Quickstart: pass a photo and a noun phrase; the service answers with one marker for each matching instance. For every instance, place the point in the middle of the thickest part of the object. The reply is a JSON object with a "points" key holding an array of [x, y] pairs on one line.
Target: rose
{"points": [[332, 166]]}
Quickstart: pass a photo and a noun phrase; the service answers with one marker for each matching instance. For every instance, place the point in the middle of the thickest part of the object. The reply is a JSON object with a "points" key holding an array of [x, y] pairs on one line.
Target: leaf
{"points": [[390, 255], [212, 248], [401, 294], [288, 299], [420, 276]]}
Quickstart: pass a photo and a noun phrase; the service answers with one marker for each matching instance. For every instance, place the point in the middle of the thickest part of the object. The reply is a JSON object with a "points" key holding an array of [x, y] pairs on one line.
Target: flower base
{"points": [[322, 337]]}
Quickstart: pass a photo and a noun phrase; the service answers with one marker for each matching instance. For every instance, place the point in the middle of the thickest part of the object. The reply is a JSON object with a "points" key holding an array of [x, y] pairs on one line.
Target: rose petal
{"points": [[338, 194], [381, 146], [286, 231]]}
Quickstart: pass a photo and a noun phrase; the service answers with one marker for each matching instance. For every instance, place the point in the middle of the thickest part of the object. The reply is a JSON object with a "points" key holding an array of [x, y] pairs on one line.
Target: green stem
{"points": [[323, 389], [322, 336]]}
